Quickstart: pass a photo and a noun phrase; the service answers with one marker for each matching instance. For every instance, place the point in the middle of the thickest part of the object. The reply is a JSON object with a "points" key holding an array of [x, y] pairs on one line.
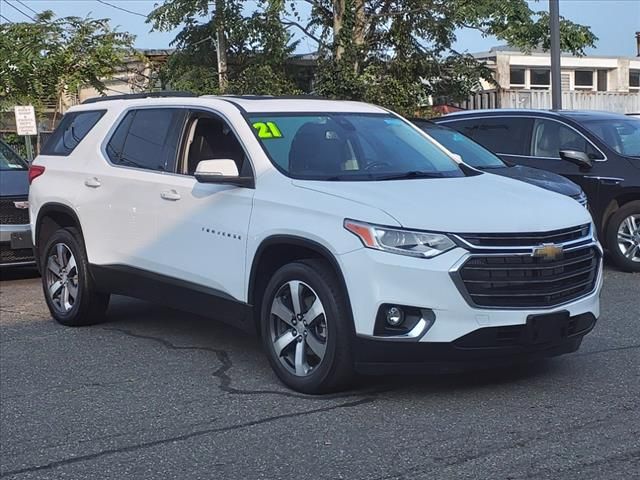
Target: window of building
{"points": [[603, 78], [147, 138], [72, 129], [634, 80], [583, 79], [540, 78], [516, 77]]}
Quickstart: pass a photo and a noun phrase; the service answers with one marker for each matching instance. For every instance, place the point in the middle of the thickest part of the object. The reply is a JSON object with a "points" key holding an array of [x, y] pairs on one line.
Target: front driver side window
{"points": [[211, 138], [550, 137]]}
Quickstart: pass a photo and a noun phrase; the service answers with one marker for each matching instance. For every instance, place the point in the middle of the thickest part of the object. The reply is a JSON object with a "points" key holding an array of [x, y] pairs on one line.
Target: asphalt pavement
{"points": [[154, 393]]}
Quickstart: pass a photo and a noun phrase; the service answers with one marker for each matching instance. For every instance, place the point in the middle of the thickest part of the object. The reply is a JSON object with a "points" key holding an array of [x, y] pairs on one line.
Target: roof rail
{"points": [[135, 96], [273, 97]]}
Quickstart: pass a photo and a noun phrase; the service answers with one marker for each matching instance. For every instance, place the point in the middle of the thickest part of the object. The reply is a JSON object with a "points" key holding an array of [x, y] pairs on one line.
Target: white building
{"points": [[516, 70], [589, 82]]}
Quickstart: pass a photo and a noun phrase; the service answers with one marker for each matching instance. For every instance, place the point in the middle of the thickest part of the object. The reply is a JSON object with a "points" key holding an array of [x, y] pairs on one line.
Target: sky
{"points": [[613, 21]]}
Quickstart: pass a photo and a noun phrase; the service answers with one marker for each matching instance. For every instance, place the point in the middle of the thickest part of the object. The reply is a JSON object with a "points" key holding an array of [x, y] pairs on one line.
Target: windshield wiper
{"points": [[410, 175], [488, 167]]}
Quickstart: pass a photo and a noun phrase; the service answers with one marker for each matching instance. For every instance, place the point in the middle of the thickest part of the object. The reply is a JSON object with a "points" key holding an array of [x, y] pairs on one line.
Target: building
{"points": [[516, 71], [139, 74], [591, 82]]}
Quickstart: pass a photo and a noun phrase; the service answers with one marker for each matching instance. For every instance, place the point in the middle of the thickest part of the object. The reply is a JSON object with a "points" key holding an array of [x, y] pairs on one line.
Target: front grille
{"points": [[10, 215], [7, 255], [524, 240], [523, 281]]}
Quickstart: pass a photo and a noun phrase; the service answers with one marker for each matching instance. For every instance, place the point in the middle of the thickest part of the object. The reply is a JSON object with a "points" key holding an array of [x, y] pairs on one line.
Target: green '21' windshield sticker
{"points": [[267, 130]]}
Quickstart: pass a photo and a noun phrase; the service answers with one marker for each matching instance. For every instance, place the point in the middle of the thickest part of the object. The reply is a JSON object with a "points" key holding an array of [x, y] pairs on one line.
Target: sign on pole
{"points": [[26, 120], [26, 125]]}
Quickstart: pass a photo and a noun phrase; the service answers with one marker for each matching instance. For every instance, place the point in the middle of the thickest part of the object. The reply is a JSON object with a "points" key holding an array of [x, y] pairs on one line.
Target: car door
{"points": [[118, 203], [202, 227], [548, 138]]}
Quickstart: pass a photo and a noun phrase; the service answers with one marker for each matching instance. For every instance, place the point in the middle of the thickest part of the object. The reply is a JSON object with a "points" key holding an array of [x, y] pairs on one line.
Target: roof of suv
{"points": [[573, 114], [245, 103]]}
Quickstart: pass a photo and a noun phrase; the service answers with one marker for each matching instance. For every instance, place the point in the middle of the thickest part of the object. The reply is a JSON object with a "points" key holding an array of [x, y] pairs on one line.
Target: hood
{"points": [[14, 183], [476, 204], [539, 178]]}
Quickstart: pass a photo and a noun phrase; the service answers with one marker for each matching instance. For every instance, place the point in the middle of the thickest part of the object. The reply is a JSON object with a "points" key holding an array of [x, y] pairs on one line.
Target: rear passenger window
{"points": [[507, 135], [72, 129], [147, 138]]}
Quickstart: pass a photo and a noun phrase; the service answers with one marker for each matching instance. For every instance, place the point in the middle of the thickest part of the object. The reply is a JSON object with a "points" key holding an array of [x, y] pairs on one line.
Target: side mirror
{"points": [[578, 158], [222, 171]]}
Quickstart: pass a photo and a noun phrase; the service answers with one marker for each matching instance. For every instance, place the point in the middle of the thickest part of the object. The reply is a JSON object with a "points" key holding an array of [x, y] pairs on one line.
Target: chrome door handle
{"points": [[170, 195], [92, 182]]}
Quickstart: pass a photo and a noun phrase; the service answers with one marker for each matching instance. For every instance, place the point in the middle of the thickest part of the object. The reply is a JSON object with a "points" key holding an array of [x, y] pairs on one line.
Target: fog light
{"points": [[395, 316]]}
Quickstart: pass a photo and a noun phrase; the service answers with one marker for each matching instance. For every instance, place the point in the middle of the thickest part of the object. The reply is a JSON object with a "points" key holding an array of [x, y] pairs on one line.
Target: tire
{"points": [[328, 333], [620, 225], [82, 304]]}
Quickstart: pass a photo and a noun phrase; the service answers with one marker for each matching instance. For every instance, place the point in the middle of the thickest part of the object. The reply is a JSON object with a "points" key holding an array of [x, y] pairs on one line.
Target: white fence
{"points": [[621, 102]]}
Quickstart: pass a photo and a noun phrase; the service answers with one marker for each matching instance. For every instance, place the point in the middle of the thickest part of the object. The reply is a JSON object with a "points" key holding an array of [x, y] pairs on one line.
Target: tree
{"points": [[399, 52], [44, 60], [223, 50]]}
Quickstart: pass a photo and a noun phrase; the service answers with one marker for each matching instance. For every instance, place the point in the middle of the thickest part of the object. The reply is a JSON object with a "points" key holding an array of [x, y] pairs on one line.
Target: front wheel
{"points": [[623, 237], [305, 327]]}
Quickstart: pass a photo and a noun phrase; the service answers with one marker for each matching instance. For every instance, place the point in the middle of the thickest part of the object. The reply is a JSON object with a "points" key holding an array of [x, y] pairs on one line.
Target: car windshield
{"points": [[10, 160], [350, 146], [471, 152], [621, 135]]}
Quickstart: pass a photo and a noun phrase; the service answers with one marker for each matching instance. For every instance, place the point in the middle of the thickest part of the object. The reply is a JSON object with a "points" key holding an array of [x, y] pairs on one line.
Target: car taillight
{"points": [[34, 172]]}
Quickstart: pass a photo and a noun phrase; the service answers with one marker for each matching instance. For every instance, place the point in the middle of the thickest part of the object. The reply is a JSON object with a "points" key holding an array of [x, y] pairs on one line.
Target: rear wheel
{"points": [[305, 330], [68, 287], [623, 237]]}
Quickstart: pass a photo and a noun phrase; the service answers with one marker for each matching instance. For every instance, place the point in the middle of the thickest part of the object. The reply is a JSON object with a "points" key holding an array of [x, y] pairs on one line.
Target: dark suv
{"points": [[15, 230], [597, 150]]}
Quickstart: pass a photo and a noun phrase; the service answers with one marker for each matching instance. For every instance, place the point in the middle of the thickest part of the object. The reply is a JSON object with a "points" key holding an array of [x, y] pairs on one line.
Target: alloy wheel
{"points": [[62, 278], [298, 328], [629, 237]]}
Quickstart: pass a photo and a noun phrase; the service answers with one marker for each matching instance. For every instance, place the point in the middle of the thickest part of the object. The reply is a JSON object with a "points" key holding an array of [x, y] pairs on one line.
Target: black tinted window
{"points": [[550, 136], [506, 135], [147, 138], [72, 129]]}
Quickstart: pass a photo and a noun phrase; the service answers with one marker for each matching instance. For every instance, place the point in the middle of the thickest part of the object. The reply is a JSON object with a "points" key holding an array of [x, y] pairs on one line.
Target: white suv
{"points": [[348, 238]]}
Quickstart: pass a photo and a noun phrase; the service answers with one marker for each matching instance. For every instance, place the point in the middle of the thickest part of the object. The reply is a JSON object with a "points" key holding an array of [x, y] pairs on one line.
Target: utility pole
{"points": [[221, 45], [554, 26]]}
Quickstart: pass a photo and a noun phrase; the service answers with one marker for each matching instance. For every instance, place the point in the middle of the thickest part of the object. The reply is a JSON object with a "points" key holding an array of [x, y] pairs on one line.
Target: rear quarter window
{"points": [[70, 132]]}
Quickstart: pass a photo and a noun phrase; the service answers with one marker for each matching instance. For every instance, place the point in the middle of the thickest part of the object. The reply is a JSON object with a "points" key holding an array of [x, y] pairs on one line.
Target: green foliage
{"points": [[40, 61], [258, 46], [396, 53], [399, 53]]}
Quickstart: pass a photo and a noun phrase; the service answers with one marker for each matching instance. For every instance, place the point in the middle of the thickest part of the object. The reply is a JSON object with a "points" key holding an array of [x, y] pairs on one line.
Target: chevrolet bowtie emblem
{"points": [[548, 252], [21, 205]]}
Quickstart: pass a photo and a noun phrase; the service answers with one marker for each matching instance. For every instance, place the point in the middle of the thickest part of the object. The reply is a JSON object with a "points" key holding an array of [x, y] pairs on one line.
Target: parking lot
{"points": [[155, 393]]}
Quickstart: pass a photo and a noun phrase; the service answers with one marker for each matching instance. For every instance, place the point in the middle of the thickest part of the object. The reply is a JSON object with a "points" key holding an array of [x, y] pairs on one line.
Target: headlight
{"points": [[404, 242]]}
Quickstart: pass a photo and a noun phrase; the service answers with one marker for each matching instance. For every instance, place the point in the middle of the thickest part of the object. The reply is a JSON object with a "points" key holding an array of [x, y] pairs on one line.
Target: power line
{"points": [[27, 6], [5, 19], [120, 8], [16, 8]]}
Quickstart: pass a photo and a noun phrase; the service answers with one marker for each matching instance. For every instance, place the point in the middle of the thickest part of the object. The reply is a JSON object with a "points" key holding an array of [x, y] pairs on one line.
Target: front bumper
{"points": [[484, 348], [12, 254], [375, 278]]}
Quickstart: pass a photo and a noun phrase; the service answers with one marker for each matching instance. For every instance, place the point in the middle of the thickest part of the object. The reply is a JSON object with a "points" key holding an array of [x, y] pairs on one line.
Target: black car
{"points": [[599, 151], [477, 156], [15, 231]]}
